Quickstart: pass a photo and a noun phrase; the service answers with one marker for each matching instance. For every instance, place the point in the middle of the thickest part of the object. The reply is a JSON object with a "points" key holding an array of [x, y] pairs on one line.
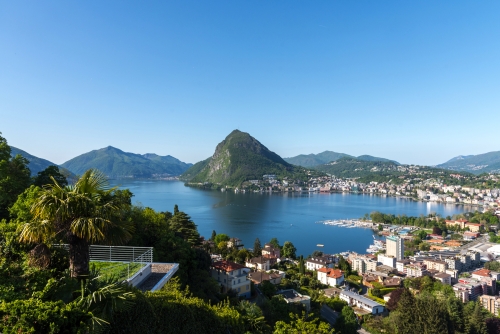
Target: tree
{"points": [[45, 176], [275, 243], [182, 225], [213, 235], [14, 177], [78, 215], [348, 322], [220, 238], [302, 267], [493, 325], [257, 248], [289, 250], [394, 300], [302, 324], [268, 289], [437, 230], [252, 314]]}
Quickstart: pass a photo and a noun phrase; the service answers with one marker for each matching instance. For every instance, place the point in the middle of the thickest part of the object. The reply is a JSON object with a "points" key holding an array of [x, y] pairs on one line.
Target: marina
{"points": [[348, 223]]}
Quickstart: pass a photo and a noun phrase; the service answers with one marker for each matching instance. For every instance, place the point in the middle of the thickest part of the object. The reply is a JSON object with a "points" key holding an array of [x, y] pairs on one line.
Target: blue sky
{"points": [[418, 82]]}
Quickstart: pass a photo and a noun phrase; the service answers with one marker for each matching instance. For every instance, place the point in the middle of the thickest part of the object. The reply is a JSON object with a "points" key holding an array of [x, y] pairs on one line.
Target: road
{"points": [[329, 315]]}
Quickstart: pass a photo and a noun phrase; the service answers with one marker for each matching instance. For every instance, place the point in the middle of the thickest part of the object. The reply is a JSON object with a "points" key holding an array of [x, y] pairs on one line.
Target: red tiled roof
{"points": [[482, 272], [227, 265]]}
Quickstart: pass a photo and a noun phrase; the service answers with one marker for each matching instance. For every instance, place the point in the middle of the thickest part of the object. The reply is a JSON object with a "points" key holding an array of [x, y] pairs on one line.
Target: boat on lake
{"points": [[320, 245]]}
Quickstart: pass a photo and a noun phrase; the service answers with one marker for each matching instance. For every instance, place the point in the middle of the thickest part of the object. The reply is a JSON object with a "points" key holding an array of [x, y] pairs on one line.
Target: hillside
{"points": [[118, 164], [313, 160], [353, 167], [239, 158], [477, 164], [38, 164]]}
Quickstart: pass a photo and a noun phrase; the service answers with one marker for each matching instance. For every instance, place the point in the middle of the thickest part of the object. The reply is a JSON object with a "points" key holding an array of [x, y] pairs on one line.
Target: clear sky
{"points": [[414, 81]]}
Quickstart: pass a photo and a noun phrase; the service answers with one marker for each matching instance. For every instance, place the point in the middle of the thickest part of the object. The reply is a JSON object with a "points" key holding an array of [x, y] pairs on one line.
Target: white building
{"points": [[387, 260], [231, 276], [331, 277], [353, 299], [395, 247]]}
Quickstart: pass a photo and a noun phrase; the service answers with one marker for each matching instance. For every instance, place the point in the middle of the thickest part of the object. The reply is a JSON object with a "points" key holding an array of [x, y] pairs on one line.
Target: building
{"points": [[292, 296], [331, 277], [436, 265], [443, 278], [235, 242], [368, 305], [231, 276], [358, 264], [257, 277], [454, 263], [316, 263], [401, 265], [395, 247], [416, 270], [387, 260], [258, 263], [270, 250], [491, 303]]}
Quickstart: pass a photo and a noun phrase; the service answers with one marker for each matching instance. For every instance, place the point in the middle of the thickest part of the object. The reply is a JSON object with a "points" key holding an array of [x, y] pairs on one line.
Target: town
{"points": [[457, 254]]}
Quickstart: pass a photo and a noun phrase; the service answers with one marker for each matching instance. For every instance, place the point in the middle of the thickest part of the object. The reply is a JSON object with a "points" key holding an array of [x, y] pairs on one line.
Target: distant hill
{"points": [[239, 158], [118, 164], [477, 164], [353, 167], [38, 164], [313, 160]]}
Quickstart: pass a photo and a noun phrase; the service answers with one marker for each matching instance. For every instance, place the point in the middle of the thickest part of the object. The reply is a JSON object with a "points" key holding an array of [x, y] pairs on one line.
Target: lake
{"points": [[288, 217]]}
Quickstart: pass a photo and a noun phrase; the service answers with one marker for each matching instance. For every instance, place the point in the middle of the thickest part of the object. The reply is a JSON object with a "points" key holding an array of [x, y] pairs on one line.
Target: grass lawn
{"points": [[118, 270]]}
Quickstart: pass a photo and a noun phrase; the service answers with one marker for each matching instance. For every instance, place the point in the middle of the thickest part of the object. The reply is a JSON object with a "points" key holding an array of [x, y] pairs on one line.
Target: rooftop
{"points": [[360, 298], [227, 265]]}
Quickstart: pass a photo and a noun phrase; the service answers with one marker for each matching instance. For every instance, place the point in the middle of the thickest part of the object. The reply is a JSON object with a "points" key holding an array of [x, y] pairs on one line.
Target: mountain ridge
{"points": [[37, 164], [116, 163], [313, 160], [477, 164]]}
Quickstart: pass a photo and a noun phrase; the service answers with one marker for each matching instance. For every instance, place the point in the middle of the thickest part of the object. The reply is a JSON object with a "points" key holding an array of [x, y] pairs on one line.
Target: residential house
{"points": [[292, 296], [271, 250], [236, 243], [231, 276], [443, 278], [330, 276], [388, 260], [316, 263], [257, 277], [258, 263]]}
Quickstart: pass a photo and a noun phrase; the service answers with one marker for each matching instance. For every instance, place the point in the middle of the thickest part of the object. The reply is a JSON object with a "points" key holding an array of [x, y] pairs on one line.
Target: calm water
{"points": [[289, 217]]}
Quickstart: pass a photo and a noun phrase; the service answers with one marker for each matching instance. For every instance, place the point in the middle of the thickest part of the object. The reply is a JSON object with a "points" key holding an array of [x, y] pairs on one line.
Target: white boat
{"points": [[320, 245]]}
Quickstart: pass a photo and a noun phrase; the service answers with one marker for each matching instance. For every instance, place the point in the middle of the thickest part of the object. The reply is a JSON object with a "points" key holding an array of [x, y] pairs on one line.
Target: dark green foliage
{"points": [[116, 163], [257, 248], [220, 238], [36, 316], [172, 310], [289, 250], [14, 177], [493, 325], [492, 265], [394, 300], [45, 177], [194, 170], [268, 289], [183, 226], [347, 322]]}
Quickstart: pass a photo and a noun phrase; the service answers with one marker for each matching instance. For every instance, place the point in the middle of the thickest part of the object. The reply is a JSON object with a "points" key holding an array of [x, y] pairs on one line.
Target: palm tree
{"points": [[80, 214]]}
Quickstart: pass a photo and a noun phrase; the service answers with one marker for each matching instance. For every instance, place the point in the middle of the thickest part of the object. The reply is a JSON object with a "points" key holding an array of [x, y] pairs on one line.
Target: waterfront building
{"points": [[231, 276], [236, 243], [316, 263], [395, 247]]}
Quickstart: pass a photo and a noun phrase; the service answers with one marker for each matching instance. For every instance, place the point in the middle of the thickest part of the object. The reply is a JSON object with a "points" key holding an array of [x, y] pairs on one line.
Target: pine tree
{"points": [[213, 235], [183, 226], [257, 248]]}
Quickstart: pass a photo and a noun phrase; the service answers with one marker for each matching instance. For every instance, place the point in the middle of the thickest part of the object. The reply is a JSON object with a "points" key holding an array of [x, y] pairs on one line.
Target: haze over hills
{"points": [[312, 160], [477, 164], [38, 164], [354, 167], [118, 164], [239, 158]]}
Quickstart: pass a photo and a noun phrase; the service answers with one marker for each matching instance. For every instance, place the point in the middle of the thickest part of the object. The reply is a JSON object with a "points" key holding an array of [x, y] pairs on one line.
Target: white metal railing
{"points": [[118, 253]]}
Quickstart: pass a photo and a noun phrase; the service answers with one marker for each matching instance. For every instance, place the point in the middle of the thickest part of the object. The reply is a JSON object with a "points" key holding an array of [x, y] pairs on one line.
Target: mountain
{"points": [[38, 164], [117, 164], [477, 164], [238, 158], [372, 158], [313, 160], [353, 167]]}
